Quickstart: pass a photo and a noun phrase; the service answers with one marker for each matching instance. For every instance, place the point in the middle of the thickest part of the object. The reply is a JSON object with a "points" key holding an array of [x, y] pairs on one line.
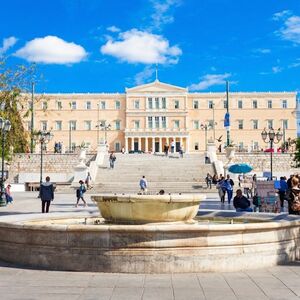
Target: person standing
{"points": [[282, 191], [143, 184], [208, 180], [181, 151], [9, 198], [228, 185], [79, 193], [88, 181], [46, 194], [112, 159], [221, 189], [166, 149], [173, 146]]}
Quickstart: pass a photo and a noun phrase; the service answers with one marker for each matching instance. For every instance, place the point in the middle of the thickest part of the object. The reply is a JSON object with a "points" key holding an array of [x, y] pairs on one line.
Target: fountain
{"points": [[132, 236]]}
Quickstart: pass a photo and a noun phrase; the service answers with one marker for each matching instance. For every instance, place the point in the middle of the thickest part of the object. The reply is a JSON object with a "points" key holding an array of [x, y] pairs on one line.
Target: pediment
{"points": [[156, 86]]}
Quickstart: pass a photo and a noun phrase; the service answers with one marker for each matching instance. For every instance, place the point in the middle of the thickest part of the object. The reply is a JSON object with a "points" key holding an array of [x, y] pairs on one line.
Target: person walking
{"points": [[241, 203], [181, 151], [112, 159], [88, 181], [166, 149], [46, 194], [173, 146], [8, 197], [143, 184], [228, 186], [79, 193], [208, 180], [282, 191], [221, 189]]}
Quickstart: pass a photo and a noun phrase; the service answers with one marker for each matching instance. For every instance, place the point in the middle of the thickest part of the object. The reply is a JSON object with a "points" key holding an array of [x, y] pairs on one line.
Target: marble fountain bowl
{"points": [[213, 241], [134, 209]]}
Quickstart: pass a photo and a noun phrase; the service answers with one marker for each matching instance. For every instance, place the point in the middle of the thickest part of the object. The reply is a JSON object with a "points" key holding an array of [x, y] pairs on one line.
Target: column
{"points": [[139, 143], [160, 145], [146, 144], [126, 144], [187, 145], [153, 144], [181, 142], [132, 143]]}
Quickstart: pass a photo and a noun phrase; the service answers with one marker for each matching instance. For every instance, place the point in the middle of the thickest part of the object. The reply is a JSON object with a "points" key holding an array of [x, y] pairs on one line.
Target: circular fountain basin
{"points": [[217, 241], [135, 209]]}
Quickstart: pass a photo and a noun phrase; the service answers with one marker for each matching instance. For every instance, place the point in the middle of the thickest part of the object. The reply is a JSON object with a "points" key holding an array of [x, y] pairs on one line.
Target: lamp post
{"points": [[205, 127], [5, 127], [43, 137], [272, 138], [105, 128]]}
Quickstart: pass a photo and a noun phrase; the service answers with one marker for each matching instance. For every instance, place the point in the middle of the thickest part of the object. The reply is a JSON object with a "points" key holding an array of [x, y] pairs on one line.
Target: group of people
{"points": [[171, 148]]}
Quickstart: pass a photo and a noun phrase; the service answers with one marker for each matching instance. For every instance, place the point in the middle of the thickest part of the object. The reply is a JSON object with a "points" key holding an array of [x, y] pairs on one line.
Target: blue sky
{"points": [[105, 46]]}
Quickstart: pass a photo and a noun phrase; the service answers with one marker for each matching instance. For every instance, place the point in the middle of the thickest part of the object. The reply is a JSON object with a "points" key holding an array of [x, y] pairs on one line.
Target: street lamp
{"points": [[5, 127], [104, 127], [272, 138], [43, 137], [205, 127]]}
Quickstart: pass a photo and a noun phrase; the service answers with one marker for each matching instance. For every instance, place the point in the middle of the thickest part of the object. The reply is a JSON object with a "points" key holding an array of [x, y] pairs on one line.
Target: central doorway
{"points": [[136, 146], [156, 146]]}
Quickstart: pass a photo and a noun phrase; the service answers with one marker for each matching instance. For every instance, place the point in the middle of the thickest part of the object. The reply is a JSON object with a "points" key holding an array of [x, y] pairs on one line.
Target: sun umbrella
{"points": [[240, 168]]}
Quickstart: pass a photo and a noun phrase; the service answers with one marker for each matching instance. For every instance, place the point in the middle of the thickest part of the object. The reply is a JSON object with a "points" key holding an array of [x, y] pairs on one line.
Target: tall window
{"points": [[137, 124], [176, 124], [285, 124], [270, 124], [58, 105], [157, 103], [270, 104], [196, 124], [210, 104], [44, 105], [211, 123], [73, 105], [87, 125], [255, 124], [117, 147], [137, 104], [150, 122], [58, 125], [150, 103], [118, 124], [72, 125], [284, 104], [163, 122], [103, 105], [254, 104], [240, 124], [240, 104], [44, 125], [163, 103], [176, 104], [156, 122], [117, 104], [88, 105], [196, 104]]}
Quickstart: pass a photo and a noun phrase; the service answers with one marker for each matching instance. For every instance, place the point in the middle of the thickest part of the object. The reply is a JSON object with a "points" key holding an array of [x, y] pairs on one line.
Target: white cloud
{"points": [[295, 64], [161, 14], [7, 43], [262, 50], [208, 81], [276, 69], [144, 76], [281, 15], [136, 46], [291, 29], [52, 50], [113, 29]]}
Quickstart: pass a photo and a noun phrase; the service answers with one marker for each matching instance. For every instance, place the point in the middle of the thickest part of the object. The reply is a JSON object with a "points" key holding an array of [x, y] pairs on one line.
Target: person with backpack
{"points": [[112, 159], [46, 194], [293, 197], [228, 186], [79, 193]]}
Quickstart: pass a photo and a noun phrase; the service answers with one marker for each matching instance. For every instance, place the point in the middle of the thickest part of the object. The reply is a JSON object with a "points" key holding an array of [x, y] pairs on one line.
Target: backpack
{"points": [[295, 205]]}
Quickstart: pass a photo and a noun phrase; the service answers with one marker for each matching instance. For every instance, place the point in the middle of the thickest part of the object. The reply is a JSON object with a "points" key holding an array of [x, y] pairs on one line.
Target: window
{"points": [[156, 122], [255, 146], [285, 124], [254, 104], [225, 104], [137, 124], [176, 124], [270, 104], [117, 147], [163, 122], [150, 122], [117, 104], [196, 124], [240, 104], [118, 124], [58, 125], [137, 104], [196, 146], [73, 105], [72, 125], [210, 104], [44, 125], [102, 105], [211, 123], [196, 104], [255, 124], [58, 105], [240, 124], [88, 105], [284, 104], [163, 103], [150, 103], [157, 103], [176, 104], [270, 124], [44, 105], [87, 125]]}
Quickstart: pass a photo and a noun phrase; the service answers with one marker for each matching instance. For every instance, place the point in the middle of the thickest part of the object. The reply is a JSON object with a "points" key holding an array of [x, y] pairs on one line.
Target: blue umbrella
{"points": [[240, 168]]}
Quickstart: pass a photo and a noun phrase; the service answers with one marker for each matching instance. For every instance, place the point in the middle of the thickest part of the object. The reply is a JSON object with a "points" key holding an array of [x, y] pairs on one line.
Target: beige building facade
{"points": [[148, 116]]}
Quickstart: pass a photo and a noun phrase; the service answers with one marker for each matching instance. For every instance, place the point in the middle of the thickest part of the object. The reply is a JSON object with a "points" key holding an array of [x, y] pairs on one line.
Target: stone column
{"points": [[146, 144], [153, 144], [126, 144], [181, 142], [160, 145], [139, 143], [132, 143], [187, 145]]}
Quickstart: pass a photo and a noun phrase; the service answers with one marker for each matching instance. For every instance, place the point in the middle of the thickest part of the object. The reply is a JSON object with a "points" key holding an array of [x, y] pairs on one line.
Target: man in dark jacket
{"points": [[240, 202], [46, 194]]}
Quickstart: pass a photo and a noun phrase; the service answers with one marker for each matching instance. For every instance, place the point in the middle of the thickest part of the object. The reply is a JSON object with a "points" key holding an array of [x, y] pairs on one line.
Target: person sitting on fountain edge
{"points": [[241, 203]]}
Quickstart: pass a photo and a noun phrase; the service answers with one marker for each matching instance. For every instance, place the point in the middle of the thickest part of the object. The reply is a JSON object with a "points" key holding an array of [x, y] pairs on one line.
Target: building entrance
{"points": [[177, 147], [156, 146], [136, 146]]}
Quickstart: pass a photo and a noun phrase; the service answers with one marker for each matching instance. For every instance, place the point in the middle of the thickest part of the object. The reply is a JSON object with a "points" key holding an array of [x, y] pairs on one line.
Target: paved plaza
{"points": [[17, 282]]}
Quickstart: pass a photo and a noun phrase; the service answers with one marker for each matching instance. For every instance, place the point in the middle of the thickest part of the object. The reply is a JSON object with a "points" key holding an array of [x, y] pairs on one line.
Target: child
{"points": [[79, 193]]}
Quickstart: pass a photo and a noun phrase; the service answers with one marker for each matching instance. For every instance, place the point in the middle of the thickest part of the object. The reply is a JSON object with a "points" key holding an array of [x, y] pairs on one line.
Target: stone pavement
{"points": [[17, 282]]}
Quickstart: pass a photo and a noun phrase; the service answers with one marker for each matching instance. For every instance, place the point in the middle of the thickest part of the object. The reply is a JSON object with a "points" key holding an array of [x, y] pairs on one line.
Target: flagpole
{"points": [[227, 108]]}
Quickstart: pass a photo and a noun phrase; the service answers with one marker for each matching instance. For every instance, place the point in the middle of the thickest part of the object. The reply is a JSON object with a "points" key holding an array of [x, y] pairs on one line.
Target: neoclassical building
{"points": [[148, 116]]}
